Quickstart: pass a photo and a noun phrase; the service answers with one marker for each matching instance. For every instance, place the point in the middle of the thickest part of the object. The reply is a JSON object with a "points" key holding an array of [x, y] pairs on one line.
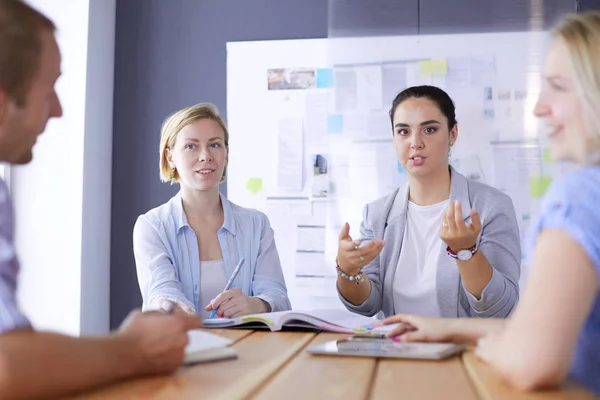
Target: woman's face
{"points": [[421, 136], [199, 155], [559, 105]]}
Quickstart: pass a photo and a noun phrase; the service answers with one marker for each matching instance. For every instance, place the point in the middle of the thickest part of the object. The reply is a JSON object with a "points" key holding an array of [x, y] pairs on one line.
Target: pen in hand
{"points": [[230, 282]]}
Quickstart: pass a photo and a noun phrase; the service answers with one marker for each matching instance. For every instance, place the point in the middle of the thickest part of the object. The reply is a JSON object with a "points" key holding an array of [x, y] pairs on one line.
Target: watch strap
{"points": [[452, 254]]}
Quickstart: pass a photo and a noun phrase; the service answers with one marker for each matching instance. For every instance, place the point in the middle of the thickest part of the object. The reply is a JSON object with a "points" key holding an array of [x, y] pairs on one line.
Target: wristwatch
{"points": [[462, 255], [358, 278]]}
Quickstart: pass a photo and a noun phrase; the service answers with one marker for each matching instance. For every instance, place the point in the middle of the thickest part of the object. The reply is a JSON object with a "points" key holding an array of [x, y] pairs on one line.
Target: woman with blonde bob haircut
{"points": [[187, 249], [555, 330]]}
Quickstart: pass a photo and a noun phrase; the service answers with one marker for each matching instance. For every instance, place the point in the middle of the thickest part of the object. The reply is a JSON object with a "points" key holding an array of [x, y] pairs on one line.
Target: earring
{"points": [[223, 178], [173, 174]]}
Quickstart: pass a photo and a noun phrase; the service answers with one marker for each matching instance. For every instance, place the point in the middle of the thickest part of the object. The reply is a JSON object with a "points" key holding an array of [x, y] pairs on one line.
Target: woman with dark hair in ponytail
{"points": [[441, 245]]}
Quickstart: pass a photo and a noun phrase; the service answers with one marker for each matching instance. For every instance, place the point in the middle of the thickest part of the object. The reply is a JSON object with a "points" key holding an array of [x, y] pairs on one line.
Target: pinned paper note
{"points": [[335, 123], [254, 185], [538, 185], [547, 155], [433, 67], [324, 78]]}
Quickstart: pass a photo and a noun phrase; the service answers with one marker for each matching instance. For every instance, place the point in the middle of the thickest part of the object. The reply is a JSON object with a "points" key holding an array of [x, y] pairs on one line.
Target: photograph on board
{"points": [[320, 179], [291, 78]]}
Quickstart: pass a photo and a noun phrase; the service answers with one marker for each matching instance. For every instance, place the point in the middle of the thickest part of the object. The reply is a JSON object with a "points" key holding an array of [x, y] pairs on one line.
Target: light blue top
{"points": [[571, 204], [168, 262]]}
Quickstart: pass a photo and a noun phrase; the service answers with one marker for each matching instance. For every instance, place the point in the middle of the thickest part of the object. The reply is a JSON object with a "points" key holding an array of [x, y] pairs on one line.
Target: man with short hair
{"points": [[34, 364]]}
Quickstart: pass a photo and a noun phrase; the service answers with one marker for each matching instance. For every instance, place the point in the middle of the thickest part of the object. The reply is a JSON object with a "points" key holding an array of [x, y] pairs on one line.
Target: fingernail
{"points": [[396, 339]]}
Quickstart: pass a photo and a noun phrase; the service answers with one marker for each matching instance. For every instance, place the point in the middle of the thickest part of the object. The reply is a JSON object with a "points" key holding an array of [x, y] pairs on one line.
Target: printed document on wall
{"points": [[290, 161], [370, 95]]}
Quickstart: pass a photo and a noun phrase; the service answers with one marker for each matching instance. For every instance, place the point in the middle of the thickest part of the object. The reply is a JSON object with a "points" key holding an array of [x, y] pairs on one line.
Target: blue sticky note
{"points": [[400, 168], [335, 123], [324, 78]]}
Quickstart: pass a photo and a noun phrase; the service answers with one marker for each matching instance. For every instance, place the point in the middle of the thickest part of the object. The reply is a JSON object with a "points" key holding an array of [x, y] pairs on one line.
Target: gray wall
{"points": [[171, 53]]}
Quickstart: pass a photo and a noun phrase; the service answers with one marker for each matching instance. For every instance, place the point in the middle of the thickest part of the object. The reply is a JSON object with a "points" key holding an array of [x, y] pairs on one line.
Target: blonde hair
{"points": [[581, 35], [174, 123]]}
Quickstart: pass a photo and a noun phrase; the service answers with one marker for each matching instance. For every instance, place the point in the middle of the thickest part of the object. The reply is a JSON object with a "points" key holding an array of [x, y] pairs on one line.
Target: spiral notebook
{"points": [[330, 320]]}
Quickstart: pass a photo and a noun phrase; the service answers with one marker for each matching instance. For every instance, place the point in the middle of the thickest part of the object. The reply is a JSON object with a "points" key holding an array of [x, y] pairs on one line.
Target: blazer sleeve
{"points": [[372, 305], [268, 282], [500, 244]]}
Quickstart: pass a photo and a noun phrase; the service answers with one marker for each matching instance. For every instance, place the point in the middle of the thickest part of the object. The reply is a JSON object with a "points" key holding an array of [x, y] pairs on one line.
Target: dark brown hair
{"points": [[21, 29], [432, 93]]}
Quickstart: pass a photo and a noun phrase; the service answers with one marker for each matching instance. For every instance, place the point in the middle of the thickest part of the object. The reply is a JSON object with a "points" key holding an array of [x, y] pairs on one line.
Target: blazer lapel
{"points": [[393, 234]]}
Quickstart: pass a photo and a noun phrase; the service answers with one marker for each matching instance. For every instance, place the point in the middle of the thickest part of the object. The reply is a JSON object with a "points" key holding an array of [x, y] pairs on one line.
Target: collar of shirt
{"points": [[181, 219]]}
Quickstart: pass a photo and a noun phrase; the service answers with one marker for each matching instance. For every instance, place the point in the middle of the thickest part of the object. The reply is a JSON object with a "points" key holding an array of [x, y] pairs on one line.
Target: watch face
{"points": [[464, 255]]}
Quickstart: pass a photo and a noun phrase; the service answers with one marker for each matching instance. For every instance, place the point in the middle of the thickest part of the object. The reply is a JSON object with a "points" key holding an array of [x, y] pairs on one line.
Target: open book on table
{"points": [[205, 346], [331, 320]]}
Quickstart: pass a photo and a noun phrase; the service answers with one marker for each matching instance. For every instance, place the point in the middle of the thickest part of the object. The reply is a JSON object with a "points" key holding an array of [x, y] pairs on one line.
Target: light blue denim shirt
{"points": [[168, 262]]}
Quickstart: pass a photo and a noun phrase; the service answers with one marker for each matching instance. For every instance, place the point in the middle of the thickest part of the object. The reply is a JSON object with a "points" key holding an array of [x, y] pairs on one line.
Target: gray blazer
{"points": [[499, 241]]}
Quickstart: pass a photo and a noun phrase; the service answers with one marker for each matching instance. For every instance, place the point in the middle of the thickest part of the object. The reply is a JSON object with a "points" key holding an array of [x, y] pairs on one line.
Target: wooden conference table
{"points": [[274, 365]]}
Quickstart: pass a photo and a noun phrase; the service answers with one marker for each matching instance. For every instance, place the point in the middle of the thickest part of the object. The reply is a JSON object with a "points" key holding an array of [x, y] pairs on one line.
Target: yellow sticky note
{"points": [[433, 67], [254, 185], [538, 185], [547, 156]]}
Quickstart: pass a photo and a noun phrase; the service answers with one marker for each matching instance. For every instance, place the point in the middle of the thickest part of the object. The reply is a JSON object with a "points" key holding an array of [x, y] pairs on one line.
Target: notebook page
{"points": [[343, 318], [200, 340]]}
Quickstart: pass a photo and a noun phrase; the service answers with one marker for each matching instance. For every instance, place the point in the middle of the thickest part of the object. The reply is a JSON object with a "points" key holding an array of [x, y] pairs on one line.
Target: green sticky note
{"points": [[538, 185], [254, 185], [433, 67], [547, 155]]}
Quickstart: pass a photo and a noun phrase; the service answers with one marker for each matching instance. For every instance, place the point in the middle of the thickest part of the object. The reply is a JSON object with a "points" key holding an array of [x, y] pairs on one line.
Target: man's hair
{"points": [[21, 29]]}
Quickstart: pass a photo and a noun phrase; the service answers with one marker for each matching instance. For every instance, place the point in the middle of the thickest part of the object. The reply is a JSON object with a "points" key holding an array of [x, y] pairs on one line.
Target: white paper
{"points": [[459, 73], [483, 70], [346, 89], [393, 82], [291, 156], [379, 127], [311, 238], [316, 111], [199, 340], [369, 83]]}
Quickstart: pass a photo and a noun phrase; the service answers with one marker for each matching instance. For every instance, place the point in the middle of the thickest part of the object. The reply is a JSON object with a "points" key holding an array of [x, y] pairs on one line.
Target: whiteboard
{"points": [[311, 141]]}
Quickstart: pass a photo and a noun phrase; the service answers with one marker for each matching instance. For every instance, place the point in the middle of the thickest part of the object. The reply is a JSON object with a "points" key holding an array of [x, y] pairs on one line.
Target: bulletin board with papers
{"points": [[311, 139]]}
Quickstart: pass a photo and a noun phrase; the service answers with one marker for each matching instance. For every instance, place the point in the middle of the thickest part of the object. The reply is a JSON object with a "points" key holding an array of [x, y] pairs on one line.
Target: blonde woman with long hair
{"points": [[555, 330]]}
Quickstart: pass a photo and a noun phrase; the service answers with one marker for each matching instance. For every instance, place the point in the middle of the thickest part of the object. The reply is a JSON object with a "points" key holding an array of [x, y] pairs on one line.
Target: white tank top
{"points": [[414, 282], [212, 282]]}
